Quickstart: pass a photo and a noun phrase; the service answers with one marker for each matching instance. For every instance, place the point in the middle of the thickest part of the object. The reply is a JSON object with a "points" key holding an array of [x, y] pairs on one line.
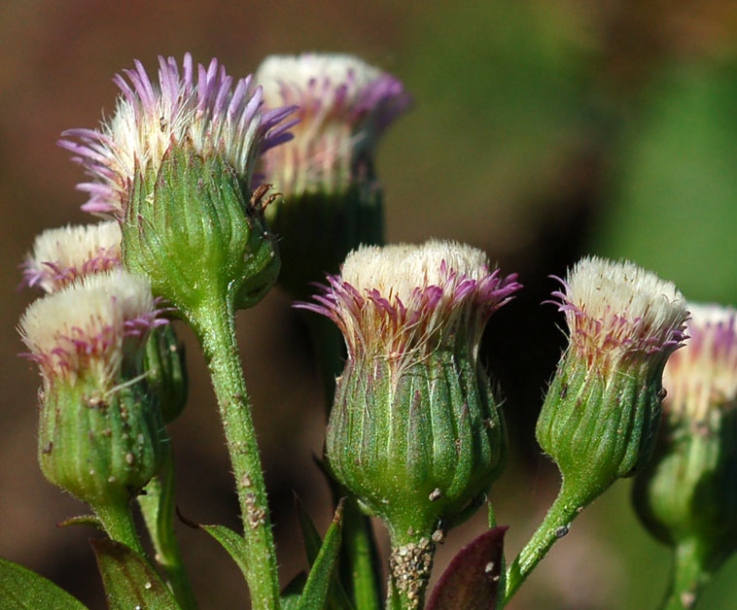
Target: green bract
{"points": [[190, 230]]}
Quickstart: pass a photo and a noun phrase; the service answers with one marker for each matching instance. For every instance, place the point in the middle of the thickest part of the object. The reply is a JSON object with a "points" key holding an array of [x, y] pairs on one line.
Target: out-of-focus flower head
{"points": [[703, 375], [345, 105], [686, 496]]}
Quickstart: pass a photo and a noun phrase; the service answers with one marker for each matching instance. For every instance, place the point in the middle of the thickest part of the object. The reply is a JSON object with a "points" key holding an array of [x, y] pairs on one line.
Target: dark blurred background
{"points": [[542, 130]]}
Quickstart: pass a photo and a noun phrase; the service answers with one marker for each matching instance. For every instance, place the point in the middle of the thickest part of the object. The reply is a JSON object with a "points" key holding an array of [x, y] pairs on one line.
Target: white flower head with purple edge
{"points": [[61, 256], [344, 106], [402, 302], [619, 314], [703, 375], [89, 327], [198, 107]]}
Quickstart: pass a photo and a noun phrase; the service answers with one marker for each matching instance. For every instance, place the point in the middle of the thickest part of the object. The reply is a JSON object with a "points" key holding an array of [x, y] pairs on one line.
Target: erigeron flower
{"points": [[174, 165], [415, 432], [61, 256], [331, 198], [101, 433], [344, 106], [687, 495], [602, 409], [702, 377], [401, 303], [196, 107], [89, 327]]}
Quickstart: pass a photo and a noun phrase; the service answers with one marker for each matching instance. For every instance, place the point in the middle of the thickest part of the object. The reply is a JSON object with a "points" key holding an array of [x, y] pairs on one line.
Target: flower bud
{"points": [[174, 166], [687, 494], [101, 432], [602, 409], [331, 198], [61, 256], [415, 432]]}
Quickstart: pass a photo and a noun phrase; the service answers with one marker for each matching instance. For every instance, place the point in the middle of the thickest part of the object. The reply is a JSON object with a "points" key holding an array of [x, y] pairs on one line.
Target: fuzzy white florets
{"points": [[61, 256], [402, 302], [81, 329], [617, 310]]}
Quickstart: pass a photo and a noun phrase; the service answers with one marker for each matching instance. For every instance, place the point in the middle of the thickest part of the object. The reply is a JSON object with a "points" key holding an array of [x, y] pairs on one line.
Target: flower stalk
{"points": [[214, 324]]}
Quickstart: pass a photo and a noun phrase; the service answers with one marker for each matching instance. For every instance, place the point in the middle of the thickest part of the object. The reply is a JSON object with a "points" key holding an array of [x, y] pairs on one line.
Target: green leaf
{"points": [[311, 537], [471, 580], [22, 589], [129, 580], [232, 542], [319, 581], [292, 592]]}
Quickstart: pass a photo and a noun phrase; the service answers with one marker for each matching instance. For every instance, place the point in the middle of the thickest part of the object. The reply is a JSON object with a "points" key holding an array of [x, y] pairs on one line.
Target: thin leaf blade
{"points": [[23, 589]]}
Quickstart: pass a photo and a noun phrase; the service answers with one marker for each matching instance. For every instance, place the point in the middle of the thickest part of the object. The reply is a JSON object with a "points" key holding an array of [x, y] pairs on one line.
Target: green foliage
{"points": [[22, 589], [129, 580]]}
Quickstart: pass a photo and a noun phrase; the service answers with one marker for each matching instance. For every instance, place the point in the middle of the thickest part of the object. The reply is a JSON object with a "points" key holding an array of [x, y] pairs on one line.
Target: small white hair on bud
{"points": [[703, 375], [63, 255], [397, 271], [616, 308], [81, 328]]}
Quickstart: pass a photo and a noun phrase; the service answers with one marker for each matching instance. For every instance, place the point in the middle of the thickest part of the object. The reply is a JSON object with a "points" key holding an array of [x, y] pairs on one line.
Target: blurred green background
{"points": [[542, 130]]}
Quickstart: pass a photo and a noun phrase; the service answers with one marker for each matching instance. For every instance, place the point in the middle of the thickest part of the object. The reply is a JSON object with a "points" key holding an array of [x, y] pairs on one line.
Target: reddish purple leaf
{"points": [[472, 579]]}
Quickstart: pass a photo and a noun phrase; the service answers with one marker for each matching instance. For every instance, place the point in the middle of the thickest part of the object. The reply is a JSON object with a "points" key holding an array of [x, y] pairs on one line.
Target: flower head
{"points": [[603, 406], [402, 302], [344, 107], [197, 107], [686, 496], [61, 256], [703, 375], [415, 432], [90, 327], [618, 312]]}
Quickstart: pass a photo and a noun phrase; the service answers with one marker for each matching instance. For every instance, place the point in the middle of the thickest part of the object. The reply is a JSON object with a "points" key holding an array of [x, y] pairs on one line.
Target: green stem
{"points": [[117, 519], [689, 577], [215, 327], [157, 508], [555, 525]]}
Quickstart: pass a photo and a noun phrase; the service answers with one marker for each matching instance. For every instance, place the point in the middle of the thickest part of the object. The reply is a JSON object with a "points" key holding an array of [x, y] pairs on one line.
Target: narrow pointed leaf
{"points": [[292, 592], [129, 580], [23, 589], [472, 579], [232, 542], [315, 593], [311, 537]]}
